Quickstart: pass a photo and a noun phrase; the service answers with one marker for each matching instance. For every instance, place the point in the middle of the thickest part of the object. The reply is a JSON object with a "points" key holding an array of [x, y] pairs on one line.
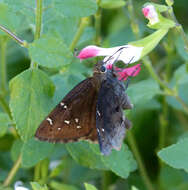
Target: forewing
{"points": [[73, 118], [110, 121]]}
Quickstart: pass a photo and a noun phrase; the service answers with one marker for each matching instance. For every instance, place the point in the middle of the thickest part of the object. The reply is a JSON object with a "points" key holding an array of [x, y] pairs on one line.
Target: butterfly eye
{"points": [[103, 69]]}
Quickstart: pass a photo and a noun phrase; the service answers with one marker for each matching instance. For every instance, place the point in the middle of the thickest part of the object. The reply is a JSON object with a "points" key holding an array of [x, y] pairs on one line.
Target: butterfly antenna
{"points": [[120, 49]]}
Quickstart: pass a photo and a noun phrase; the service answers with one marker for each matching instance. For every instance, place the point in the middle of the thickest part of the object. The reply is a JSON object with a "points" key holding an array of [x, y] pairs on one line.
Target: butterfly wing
{"points": [[110, 121], [73, 118]]}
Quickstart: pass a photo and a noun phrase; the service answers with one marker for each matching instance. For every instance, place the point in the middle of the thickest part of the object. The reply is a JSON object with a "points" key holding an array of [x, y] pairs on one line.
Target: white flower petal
{"points": [[128, 54], [18, 186]]}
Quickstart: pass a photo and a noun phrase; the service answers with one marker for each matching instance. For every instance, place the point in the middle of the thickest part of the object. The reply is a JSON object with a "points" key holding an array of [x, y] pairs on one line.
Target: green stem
{"points": [[98, 24], [13, 171], [83, 24], [134, 23], [37, 172], [141, 166], [38, 19], [178, 27], [185, 107], [3, 71], [5, 106], [14, 37], [163, 125]]}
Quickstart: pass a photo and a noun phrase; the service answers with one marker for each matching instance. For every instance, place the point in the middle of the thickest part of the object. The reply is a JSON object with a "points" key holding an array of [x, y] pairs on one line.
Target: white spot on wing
{"points": [[98, 113], [78, 127], [102, 130], [76, 120], [58, 128], [67, 122], [62, 104], [49, 120], [65, 107]]}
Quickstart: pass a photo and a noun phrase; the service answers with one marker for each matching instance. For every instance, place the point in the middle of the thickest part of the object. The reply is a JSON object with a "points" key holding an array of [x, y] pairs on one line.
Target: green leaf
{"points": [[64, 28], [181, 75], [34, 151], [2, 187], [85, 155], [74, 8], [31, 100], [16, 149], [7, 19], [120, 162], [89, 186], [50, 51], [111, 4], [57, 186], [4, 122], [143, 91], [181, 48], [37, 186], [171, 178], [176, 155]]}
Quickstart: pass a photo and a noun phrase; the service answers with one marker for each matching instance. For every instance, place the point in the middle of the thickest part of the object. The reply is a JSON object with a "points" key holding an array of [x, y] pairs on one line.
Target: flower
{"points": [[151, 14], [123, 74], [19, 186], [126, 53]]}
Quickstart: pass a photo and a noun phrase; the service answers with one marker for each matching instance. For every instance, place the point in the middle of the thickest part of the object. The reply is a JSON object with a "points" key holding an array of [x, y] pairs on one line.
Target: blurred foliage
{"points": [[34, 78]]}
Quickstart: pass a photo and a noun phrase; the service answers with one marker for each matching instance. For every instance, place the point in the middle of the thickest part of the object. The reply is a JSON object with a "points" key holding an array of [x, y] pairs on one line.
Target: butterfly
{"points": [[92, 110]]}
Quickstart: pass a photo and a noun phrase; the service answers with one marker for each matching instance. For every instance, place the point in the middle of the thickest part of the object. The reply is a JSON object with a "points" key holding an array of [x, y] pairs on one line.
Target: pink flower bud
{"points": [[150, 13], [123, 74]]}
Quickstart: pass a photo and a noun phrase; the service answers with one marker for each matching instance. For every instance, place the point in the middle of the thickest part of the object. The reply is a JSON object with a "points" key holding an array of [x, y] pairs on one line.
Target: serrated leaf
{"points": [[37, 186], [31, 100], [85, 155], [143, 91], [57, 186], [111, 4], [74, 8], [89, 186], [176, 155], [4, 122], [34, 151], [50, 52]]}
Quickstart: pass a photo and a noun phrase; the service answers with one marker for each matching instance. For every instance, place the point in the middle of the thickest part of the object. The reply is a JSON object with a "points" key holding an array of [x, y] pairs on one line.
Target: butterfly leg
{"points": [[126, 104], [128, 123]]}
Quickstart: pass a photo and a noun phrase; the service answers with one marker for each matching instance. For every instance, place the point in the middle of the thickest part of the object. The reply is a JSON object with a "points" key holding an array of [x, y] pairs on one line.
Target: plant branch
{"points": [[14, 37], [83, 23], [38, 19], [98, 24], [5, 106], [3, 71], [141, 166], [178, 27], [13, 172]]}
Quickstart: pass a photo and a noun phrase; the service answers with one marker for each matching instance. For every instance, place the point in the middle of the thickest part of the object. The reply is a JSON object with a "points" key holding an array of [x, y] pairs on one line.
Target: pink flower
{"points": [[150, 13], [123, 74], [127, 53]]}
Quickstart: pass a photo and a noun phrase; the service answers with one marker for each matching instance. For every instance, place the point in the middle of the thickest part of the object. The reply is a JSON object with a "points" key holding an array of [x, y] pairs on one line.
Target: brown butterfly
{"points": [[92, 110]]}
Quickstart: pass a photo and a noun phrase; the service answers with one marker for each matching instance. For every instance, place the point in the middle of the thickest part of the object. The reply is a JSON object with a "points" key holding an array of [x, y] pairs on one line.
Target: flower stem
{"points": [[141, 166], [38, 19], [84, 22], [5, 106], [13, 171], [98, 24], [3, 71], [14, 37], [134, 22], [178, 27]]}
